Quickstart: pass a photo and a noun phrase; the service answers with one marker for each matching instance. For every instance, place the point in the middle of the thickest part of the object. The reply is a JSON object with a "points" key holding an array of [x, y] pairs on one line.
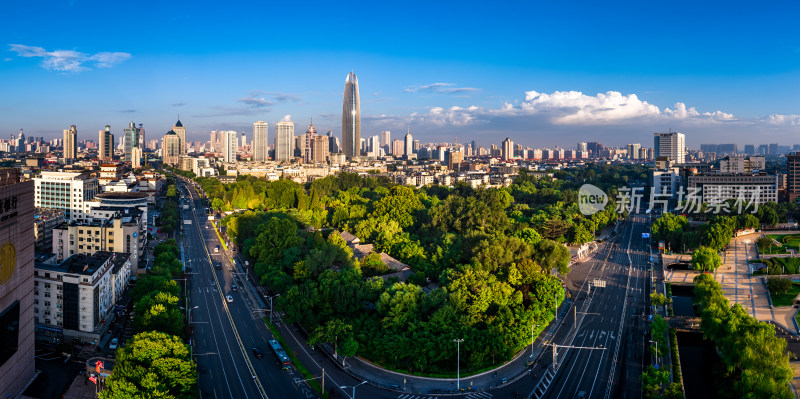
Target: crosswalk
{"points": [[473, 395]]}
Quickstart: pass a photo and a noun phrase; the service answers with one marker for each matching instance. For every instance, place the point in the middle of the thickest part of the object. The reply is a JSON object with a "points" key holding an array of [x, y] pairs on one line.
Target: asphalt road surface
{"points": [[225, 332]]}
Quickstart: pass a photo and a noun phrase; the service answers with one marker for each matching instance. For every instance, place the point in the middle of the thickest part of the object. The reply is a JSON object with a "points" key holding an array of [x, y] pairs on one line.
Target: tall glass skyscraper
{"points": [[351, 117]]}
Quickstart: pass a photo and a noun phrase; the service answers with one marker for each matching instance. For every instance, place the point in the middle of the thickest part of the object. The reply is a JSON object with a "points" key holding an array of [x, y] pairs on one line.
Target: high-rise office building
{"points": [[408, 144], [633, 151], [397, 148], [230, 145], [582, 146], [16, 283], [320, 148], [351, 118], [386, 138], [106, 149], [66, 190], [134, 138], [311, 131], [260, 143], [180, 131], [70, 144], [333, 143], [508, 149], [214, 140], [243, 141], [170, 148], [284, 141], [672, 145], [374, 145], [793, 176], [749, 149]]}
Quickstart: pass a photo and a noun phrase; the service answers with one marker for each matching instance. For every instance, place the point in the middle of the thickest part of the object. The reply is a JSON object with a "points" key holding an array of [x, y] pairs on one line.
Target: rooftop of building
{"points": [[114, 195], [85, 265]]}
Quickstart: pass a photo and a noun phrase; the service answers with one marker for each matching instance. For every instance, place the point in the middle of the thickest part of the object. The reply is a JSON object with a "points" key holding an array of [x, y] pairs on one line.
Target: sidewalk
{"points": [[737, 283]]}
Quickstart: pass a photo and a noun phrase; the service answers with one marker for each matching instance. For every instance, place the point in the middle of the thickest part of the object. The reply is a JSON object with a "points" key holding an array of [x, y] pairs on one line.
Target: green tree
{"points": [[551, 255], [335, 332], [706, 259], [152, 365], [659, 299], [159, 311], [778, 285]]}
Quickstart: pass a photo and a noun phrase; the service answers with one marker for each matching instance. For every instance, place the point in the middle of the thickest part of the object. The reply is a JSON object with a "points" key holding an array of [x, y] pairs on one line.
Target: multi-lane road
{"points": [[225, 332], [601, 342]]}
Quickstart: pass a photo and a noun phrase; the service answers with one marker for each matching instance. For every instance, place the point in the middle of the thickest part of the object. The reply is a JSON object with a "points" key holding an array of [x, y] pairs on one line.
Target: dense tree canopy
{"points": [[756, 359], [482, 260], [152, 365]]}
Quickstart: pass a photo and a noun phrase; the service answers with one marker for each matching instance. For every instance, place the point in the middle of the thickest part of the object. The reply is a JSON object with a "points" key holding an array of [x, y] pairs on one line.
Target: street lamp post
{"points": [[354, 388], [532, 339], [458, 362], [271, 309], [189, 315]]}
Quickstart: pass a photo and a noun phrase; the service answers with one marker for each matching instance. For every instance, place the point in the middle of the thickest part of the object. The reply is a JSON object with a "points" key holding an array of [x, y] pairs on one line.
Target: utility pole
{"points": [[458, 363], [323, 381]]}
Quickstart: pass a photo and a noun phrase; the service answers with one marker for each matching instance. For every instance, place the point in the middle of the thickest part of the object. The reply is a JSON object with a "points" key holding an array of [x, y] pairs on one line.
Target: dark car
{"points": [[258, 353], [234, 287], [218, 266]]}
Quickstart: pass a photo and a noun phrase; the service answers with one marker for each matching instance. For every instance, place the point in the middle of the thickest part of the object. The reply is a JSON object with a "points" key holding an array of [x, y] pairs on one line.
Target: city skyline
{"points": [[713, 84]]}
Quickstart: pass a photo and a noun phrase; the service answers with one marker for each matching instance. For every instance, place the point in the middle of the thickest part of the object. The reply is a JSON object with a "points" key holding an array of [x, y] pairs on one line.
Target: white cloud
{"points": [[440, 88], [70, 60], [286, 118], [573, 108], [784, 120]]}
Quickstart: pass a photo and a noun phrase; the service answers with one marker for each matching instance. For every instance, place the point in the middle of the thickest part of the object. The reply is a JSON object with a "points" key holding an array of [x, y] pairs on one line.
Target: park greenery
{"points": [[757, 363], [678, 234], [706, 259], [155, 362], [169, 210], [483, 260], [777, 266]]}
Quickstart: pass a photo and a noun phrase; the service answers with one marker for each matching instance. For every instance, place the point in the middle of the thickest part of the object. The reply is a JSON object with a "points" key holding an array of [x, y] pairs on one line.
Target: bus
{"points": [[283, 359]]}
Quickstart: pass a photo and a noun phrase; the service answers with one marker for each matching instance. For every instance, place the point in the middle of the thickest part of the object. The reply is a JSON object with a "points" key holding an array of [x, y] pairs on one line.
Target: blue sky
{"points": [[542, 73]]}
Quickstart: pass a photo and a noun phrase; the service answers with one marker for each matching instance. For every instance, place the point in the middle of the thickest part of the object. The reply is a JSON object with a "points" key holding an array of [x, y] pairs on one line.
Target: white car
{"points": [[114, 343], [229, 298]]}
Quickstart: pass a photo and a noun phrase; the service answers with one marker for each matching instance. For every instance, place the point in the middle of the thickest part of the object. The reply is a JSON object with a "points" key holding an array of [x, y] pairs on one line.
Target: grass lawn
{"points": [[787, 298], [789, 241]]}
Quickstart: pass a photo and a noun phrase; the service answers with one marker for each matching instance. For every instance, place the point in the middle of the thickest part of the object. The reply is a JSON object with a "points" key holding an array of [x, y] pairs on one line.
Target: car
{"points": [[114, 343], [229, 298], [257, 352], [580, 395], [234, 287], [216, 249], [218, 266], [206, 226]]}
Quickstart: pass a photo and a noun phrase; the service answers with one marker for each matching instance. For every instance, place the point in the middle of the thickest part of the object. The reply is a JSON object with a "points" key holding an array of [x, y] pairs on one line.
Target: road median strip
{"points": [[310, 378]]}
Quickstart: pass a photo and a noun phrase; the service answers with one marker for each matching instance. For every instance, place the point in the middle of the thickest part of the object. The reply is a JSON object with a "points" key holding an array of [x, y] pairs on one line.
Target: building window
{"points": [[9, 332]]}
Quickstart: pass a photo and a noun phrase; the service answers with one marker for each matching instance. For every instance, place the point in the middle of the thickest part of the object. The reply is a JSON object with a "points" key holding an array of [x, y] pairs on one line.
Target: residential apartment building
{"points": [[76, 297], [106, 149], [106, 229], [66, 190], [70, 145], [741, 164], [44, 221]]}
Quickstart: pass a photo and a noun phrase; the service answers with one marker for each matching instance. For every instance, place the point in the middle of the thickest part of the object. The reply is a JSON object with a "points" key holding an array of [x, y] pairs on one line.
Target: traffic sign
{"points": [[645, 235]]}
